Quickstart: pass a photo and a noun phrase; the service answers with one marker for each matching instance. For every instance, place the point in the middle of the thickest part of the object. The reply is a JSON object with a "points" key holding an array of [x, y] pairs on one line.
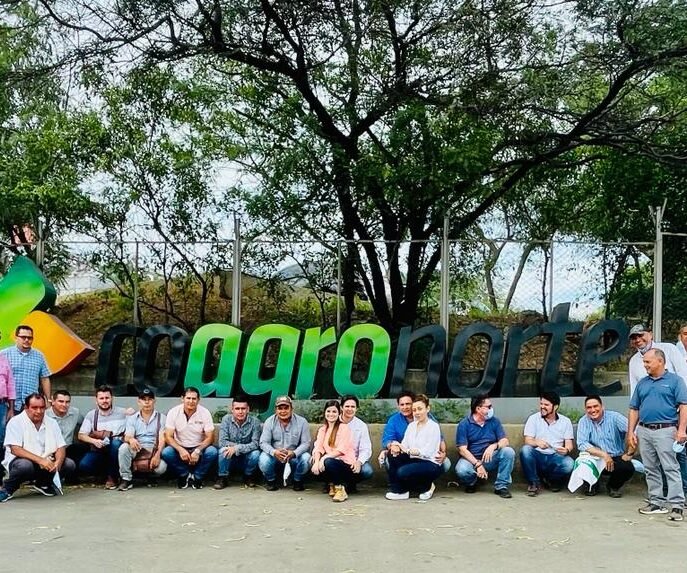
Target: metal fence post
{"points": [[236, 275], [551, 261], [445, 278], [136, 277], [338, 287], [658, 274]]}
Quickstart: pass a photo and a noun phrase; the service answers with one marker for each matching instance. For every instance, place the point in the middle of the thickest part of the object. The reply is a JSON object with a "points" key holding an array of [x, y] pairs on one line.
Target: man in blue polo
{"points": [[658, 412], [395, 429], [29, 368], [483, 447]]}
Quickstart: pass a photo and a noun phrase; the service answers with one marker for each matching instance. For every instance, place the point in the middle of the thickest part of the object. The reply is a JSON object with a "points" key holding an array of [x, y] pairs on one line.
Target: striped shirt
{"points": [[608, 434], [245, 438], [27, 368]]}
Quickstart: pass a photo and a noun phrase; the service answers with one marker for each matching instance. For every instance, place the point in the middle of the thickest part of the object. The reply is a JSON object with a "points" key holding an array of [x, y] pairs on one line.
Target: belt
{"points": [[658, 426]]}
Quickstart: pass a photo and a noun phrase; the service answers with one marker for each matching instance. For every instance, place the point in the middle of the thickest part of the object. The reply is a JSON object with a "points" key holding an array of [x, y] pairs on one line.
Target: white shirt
{"points": [[361, 439], [681, 349], [553, 434], [674, 363], [425, 438], [14, 436]]}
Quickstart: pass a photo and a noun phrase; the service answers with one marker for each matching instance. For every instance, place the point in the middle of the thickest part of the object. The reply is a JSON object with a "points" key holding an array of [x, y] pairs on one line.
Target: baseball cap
{"points": [[281, 400], [637, 329], [147, 393]]}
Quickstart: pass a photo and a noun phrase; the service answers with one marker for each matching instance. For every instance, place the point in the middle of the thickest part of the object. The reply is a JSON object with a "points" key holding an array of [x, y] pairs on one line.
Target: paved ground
{"points": [[162, 529]]}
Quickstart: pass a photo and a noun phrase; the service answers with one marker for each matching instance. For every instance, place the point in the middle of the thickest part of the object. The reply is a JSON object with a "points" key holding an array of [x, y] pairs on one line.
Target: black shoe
{"points": [[46, 490], [352, 488], [298, 486], [472, 488], [271, 486], [503, 492], [125, 485], [325, 487], [675, 514], [197, 483], [183, 482], [249, 481], [592, 491], [221, 483], [555, 487], [614, 493]]}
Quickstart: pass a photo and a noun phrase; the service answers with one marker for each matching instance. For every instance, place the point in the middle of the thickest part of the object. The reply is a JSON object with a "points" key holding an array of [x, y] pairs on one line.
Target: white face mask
{"points": [[490, 413]]}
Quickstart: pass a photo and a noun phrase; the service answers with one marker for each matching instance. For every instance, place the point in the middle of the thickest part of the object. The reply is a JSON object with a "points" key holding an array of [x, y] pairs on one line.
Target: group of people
{"points": [[44, 447]]}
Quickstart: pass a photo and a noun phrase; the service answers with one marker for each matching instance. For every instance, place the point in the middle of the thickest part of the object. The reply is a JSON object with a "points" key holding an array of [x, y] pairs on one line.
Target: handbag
{"points": [[98, 434], [143, 460]]}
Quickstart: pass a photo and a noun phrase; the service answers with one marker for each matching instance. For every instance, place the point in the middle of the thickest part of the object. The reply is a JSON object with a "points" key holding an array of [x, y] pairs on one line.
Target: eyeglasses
{"points": [[25, 337]]}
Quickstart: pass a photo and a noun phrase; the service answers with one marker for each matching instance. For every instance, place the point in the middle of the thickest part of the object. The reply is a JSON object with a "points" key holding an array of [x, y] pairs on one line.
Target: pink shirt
{"points": [[343, 446], [192, 431], [7, 389]]}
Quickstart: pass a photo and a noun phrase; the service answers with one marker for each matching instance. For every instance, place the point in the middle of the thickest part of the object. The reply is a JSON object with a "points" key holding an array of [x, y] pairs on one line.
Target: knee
{"points": [[507, 453], [210, 453], [526, 452], [366, 471], [464, 469], [265, 461], [304, 460], [168, 453]]}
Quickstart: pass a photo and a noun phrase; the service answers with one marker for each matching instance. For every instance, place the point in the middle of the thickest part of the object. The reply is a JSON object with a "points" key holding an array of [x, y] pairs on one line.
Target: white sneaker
{"points": [[428, 494], [397, 496]]}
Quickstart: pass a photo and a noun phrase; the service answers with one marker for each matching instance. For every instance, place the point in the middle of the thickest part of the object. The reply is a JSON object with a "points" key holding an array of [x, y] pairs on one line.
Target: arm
{"points": [[266, 438], [183, 452], [44, 463], [254, 443], [305, 440], [85, 430], [365, 451], [224, 432], [632, 420], [682, 424], [501, 442]]}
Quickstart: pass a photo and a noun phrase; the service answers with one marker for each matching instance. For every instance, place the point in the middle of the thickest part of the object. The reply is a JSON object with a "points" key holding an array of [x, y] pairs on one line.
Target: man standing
{"points": [[7, 397], [144, 434], [67, 418], [29, 368], [659, 407], [189, 433], [35, 450], [102, 429], [548, 443], [285, 439], [395, 429], [362, 445], [483, 447], [682, 341], [239, 443], [601, 433], [642, 340]]}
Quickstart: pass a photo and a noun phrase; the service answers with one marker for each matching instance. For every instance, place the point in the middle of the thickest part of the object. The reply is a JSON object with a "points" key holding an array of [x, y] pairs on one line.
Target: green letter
{"points": [[381, 349], [204, 337], [313, 343]]}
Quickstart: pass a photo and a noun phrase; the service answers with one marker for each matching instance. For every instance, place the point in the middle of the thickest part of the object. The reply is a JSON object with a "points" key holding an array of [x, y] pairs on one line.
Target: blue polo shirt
{"points": [[478, 438], [657, 399]]}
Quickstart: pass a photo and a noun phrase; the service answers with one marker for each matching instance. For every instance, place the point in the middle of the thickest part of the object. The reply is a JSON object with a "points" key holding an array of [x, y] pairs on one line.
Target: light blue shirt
{"points": [[145, 432], [607, 434], [27, 369]]}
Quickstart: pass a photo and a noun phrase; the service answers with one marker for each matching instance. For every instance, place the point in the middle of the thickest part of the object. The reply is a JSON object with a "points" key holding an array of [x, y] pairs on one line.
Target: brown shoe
{"points": [[340, 493], [110, 483], [332, 490], [221, 483]]}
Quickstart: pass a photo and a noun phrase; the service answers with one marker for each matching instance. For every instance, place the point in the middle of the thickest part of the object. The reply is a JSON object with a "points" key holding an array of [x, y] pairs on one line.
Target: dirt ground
{"points": [[239, 529]]}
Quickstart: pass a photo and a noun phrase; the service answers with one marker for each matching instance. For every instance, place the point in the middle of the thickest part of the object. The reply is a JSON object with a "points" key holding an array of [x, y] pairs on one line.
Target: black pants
{"points": [[22, 470], [621, 474], [337, 471]]}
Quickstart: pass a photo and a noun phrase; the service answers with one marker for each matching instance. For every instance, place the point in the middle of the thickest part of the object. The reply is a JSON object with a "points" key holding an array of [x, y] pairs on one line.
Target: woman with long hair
{"points": [[333, 455], [416, 468]]}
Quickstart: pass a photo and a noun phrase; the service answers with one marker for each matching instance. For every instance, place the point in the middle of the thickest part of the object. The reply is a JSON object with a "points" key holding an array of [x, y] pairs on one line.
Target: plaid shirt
{"points": [[245, 438], [27, 368]]}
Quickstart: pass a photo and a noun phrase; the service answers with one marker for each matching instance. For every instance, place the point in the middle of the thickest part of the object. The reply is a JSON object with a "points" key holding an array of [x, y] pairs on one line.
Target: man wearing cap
{"points": [[144, 436], [642, 340], [102, 429], [545, 456], [285, 439], [239, 443], [189, 434], [658, 412]]}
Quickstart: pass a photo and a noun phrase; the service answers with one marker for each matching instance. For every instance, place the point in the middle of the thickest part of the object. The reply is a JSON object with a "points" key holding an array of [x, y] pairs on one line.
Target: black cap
{"points": [[147, 393]]}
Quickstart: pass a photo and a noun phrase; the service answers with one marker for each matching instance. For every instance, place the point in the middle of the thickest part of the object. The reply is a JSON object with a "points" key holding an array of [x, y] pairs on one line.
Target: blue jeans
{"points": [[502, 461], [366, 472], [537, 466], [269, 465], [245, 463], [181, 469], [406, 473], [105, 459], [682, 460]]}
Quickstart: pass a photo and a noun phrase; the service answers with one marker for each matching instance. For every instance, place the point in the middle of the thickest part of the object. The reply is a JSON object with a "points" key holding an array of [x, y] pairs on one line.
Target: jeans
{"points": [[502, 461], [682, 461], [337, 471], [3, 423], [105, 460], [181, 469], [656, 449], [551, 467], [269, 465], [22, 470], [126, 459], [406, 473], [245, 463]]}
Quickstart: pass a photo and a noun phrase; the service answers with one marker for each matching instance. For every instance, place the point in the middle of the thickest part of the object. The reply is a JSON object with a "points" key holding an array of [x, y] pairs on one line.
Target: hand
{"points": [[395, 449], [356, 467], [155, 461], [681, 436], [135, 445], [632, 440], [320, 465], [47, 464], [228, 451], [195, 457], [98, 444], [185, 456], [440, 457], [482, 472], [382, 458], [413, 452], [280, 454], [489, 453], [315, 469], [626, 457], [609, 463], [291, 454], [542, 444], [562, 451]]}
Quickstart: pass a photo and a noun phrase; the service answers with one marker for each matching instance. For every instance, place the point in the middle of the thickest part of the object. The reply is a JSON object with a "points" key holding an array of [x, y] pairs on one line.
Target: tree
{"points": [[397, 112]]}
